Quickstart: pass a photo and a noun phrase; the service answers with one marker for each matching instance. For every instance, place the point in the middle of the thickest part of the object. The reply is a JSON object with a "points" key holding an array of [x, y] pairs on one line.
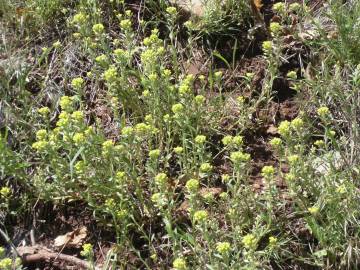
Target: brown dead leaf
{"points": [[214, 191], [72, 239], [272, 130], [258, 4]]}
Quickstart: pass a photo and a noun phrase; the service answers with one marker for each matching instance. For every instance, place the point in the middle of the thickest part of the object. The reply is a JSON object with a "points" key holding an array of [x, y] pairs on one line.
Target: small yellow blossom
{"points": [[44, 111], [154, 154], [192, 185], [77, 83], [205, 167], [268, 172], [249, 241], [239, 157], [110, 74], [178, 150], [227, 140], [171, 10], [313, 210], [5, 191], [66, 103], [200, 216], [323, 111], [161, 179], [87, 250], [284, 128], [223, 247], [200, 139], [98, 28], [179, 264], [125, 24]]}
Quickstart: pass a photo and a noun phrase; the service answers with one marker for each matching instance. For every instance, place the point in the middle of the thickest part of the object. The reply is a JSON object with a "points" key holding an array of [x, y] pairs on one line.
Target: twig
{"points": [[39, 253], [7, 239]]}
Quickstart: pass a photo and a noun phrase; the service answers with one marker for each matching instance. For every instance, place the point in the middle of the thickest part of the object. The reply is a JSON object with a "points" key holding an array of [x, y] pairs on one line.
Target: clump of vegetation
{"points": [[252, 166]]}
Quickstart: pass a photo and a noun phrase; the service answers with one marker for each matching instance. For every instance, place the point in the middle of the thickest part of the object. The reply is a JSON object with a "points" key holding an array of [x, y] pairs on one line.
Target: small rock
{"points": [[195, 7]]}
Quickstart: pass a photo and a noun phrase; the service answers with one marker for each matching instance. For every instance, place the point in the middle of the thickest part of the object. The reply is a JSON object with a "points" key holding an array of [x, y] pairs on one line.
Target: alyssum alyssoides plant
{"points": [[322, 189], [124, 179]]}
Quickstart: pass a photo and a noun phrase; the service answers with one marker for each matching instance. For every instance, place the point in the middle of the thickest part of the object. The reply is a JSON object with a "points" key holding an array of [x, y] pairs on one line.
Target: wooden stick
{"points": [[38, 253]]}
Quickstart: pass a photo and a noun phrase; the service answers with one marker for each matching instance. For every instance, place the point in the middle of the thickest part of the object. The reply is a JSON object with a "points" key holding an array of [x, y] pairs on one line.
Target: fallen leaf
{"points": [[214, 191], [272, 130], [258, 4], [72, 239]]}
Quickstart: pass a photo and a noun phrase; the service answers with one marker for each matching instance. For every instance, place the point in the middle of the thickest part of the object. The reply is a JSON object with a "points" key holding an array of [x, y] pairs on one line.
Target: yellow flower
{"points": [[192, 185], [142, 129], [199, 99], [166, 73], [319, 143], [79, 167], [297, 124], [102, 60], [238, 140], [200, 216], [66, 103], [323, 111], [121, 214], [205, 167], [267, 46], [279, 7], [178, 150], [154, 154], [125, 24], [177, 108], [268, 171], [292, 75], [275, 28], [189, 25], [293, 159], [110, 74], [272, 241], [87, 250], [160, 179], [284, 128], [77, 116], [44, 111], [41, 134], [79, 18], [127, 131], [77, 83], [276, 142], [153, 77], [6, 264], [40, 145], [225, 178], [171, 10], [79, 138], [200, 139], [290, 177], [294, 6], [56, 44], [239, 157], [98, 28], [179, 264], [218, 75], [241, 100], [5, 191], [223, 247], [313, 210], [107, 146], [227, 140], [249, 241]]}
